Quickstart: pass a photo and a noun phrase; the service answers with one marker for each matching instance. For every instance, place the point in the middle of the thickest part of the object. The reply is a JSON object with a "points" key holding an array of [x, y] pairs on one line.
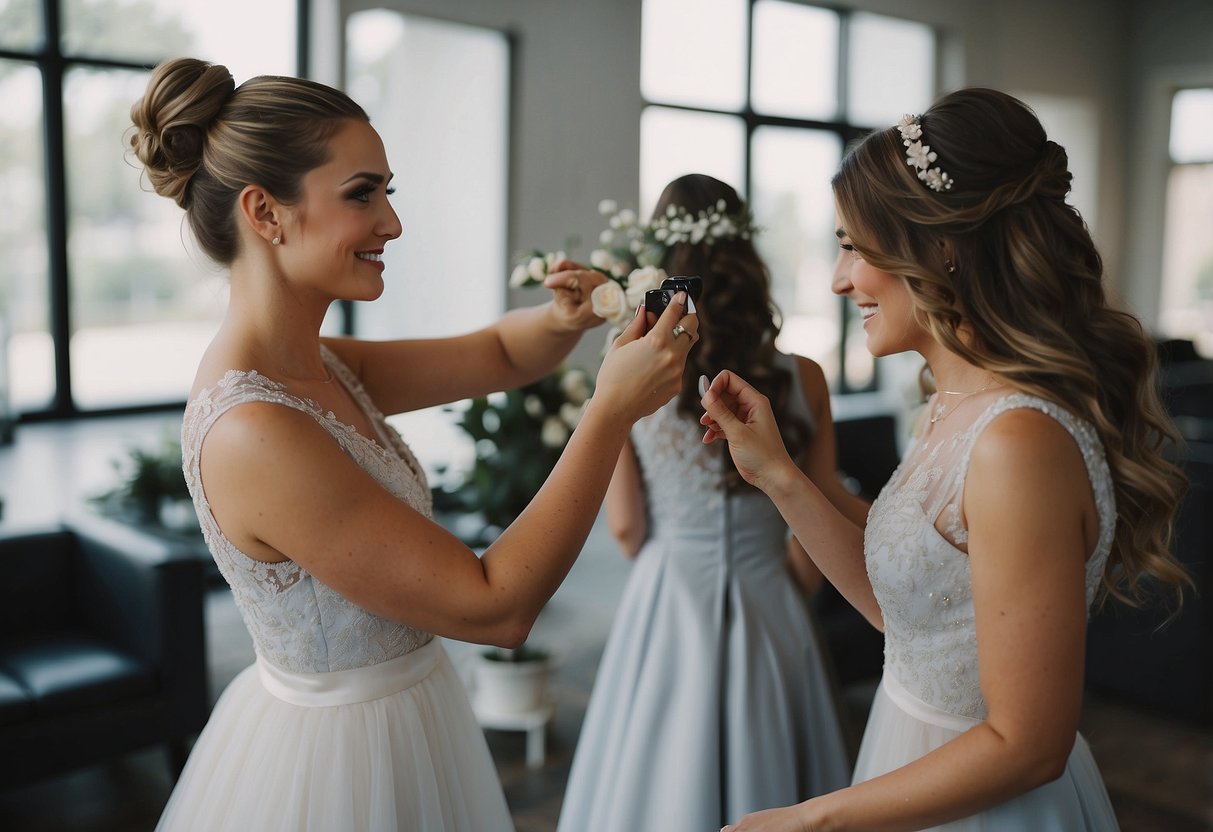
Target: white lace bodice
{"points": [[684, 479], [920, 575], [297, 623]]}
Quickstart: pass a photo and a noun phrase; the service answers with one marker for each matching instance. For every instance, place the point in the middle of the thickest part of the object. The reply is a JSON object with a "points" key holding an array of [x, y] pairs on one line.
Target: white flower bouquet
{"points": [[630, 254]]}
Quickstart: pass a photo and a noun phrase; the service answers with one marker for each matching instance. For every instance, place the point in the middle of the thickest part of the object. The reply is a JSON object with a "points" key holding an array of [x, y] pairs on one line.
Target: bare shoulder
{"points": [[1026, 436], [256, 438], [1027, 461]]}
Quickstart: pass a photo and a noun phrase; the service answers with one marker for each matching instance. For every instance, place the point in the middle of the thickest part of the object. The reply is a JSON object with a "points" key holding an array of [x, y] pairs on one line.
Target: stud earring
{"points": [[277, 240], [947, 264]]}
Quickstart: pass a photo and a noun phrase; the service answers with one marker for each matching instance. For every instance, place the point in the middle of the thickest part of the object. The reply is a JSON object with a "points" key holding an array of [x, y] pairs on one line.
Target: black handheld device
{"points": [[656, 300]]}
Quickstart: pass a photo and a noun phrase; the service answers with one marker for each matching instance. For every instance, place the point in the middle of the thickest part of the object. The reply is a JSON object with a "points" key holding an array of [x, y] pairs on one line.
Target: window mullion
{"points": [[55, 163]]}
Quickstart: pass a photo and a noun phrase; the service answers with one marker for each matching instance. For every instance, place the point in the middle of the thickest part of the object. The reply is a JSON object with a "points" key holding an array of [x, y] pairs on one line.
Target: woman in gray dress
{"points": [[712, 698]]}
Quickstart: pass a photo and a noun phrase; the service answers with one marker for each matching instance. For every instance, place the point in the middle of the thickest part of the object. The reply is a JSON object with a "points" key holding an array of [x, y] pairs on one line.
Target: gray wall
{"points": [[577, 101]]}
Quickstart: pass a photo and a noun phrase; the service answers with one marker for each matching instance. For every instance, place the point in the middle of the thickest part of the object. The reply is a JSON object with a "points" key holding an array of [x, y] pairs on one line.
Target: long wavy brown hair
{"points": [[738, 319], [1003, 256]]}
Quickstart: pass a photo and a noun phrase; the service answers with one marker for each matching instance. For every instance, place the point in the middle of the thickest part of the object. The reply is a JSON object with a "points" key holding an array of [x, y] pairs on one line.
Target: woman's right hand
{"points": [[643, 368], [740, 415]]}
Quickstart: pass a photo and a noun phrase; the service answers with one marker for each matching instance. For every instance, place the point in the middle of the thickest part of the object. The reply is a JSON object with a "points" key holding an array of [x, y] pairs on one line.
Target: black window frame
{"points": [[54, 65], [847, 132]]}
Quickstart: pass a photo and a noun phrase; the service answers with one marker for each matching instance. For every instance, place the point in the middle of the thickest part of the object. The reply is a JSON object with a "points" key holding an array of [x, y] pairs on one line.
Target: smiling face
{"points": [[883, 299], [337, 231]]}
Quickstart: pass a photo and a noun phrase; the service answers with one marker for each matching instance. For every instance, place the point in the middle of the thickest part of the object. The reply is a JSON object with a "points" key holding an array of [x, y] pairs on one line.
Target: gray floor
{"points": [[1159, 771]]}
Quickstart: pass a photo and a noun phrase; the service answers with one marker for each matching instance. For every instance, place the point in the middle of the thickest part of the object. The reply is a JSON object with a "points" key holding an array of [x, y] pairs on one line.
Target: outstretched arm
{"points": [[281, 489], [522, 346]]}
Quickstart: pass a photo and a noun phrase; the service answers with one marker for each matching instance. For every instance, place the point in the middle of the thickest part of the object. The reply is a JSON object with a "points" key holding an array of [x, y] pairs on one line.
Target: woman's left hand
{"points": [[572, 284]]}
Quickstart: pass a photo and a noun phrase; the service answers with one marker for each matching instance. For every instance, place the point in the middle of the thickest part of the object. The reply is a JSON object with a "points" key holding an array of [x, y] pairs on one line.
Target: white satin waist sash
{"points": [[924, 711], [347, 687]]}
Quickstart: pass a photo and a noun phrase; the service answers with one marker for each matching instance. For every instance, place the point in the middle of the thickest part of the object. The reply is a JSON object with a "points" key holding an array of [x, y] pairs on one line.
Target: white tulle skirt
{"points": [[394, 746], [902, 728]]}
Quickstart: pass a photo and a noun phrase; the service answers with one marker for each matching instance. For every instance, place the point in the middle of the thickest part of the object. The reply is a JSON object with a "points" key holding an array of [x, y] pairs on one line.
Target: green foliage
{"points": [[148, 475], [518, 436]]}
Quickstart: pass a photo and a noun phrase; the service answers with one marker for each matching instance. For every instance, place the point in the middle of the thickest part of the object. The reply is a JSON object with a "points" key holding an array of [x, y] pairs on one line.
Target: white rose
{"points": [[609, 301], [627, 216], [554, 433], [554, 257], [640, 281], [606, 236], [575, 386], [607, 206], [537, 269], [570, 414], [520, 276], [533, 406]]}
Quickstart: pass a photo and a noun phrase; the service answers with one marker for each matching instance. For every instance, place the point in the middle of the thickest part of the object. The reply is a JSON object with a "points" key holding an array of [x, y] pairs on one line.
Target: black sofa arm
{"points": [[146, 595]]}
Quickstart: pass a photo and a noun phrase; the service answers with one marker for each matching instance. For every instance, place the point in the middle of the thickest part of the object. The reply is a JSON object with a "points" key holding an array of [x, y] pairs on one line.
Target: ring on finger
{"points": [[682, 330]]}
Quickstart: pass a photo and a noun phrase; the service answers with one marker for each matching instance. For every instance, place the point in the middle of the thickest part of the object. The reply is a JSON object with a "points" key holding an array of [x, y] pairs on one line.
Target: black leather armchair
{"points": [[102, 647]]}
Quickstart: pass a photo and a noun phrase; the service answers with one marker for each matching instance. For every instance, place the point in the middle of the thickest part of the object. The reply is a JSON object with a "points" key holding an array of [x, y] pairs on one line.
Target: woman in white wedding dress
{"points": [[1035, 484], [315, 510], [713, 696]]}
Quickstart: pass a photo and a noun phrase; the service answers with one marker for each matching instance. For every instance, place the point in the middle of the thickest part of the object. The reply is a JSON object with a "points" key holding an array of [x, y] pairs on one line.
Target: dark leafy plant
{"points": [[148, 475], [518, 437]]}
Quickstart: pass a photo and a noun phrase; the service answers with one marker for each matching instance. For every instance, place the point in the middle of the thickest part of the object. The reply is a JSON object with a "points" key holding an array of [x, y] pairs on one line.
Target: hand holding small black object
{"points": [[656, 300]]}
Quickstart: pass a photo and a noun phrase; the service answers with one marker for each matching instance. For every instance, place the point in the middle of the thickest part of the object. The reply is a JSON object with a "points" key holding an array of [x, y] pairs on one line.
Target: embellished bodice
{"points": [[297, 623], [685, 480], [914, 551]]}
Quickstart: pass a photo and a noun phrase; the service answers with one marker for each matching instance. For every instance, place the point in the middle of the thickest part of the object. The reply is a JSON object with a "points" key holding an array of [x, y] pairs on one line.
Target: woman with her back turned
{"points": [[713, 696], [1035, 485], [315, 510]]}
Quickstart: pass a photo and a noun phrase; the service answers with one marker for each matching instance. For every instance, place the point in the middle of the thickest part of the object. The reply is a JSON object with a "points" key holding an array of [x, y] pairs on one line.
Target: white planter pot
{"points": [[510, 687]]}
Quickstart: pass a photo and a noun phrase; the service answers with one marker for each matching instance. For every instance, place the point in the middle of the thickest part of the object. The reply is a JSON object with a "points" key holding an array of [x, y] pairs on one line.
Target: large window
{"points": [[423, 81], [1187, 267], [106, 303], [766, 95]]}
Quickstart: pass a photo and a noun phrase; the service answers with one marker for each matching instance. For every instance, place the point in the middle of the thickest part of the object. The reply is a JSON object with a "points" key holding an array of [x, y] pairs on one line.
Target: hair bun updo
{"points": [[171, 121]]}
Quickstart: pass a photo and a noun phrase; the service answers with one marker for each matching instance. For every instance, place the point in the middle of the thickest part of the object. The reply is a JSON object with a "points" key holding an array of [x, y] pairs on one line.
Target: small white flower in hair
{"points": [[919, 155]]}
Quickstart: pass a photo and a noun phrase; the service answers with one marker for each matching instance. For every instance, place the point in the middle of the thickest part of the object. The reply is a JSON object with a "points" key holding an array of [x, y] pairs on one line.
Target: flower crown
{"points": [[625, 239], [630, 253], [921, 156]]}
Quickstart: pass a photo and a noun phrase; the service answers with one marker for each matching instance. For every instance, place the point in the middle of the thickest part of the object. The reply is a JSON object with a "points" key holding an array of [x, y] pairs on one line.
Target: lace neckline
{"points": [[380, 443]]}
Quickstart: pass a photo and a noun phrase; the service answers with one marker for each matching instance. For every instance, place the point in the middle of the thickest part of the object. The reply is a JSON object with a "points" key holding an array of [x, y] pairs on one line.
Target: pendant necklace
{"points": [[940, 411]]}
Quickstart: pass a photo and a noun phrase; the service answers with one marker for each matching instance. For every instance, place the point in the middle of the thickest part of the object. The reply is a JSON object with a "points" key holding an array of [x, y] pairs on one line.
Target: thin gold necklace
{"points": [[940, 411]]}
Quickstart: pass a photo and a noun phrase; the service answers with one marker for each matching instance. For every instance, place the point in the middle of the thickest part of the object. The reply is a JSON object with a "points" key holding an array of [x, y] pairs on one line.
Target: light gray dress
{"points": [[711, 699], [931, 692]]}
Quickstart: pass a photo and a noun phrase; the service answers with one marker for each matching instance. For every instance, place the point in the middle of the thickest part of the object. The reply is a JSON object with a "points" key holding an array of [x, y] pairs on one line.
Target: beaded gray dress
{"points": [[930, 691], [711, 699], [347, 721]]}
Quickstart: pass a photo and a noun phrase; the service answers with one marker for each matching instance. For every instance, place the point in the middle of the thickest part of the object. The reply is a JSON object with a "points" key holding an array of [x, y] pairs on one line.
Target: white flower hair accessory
{"points": [[920, 156]]}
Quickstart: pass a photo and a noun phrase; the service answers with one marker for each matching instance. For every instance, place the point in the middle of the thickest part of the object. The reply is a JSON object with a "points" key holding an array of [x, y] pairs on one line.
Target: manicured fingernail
{"points": [[703, 386], [638, 308], [690, 304]]}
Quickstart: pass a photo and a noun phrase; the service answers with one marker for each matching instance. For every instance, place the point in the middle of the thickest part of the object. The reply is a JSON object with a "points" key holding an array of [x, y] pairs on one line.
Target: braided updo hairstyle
{"points": [[1003, 272], [738, 319], [202, 139]]}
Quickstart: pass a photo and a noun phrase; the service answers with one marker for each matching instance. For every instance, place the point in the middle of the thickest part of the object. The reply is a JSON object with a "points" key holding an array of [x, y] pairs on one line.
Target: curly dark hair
{"points": [[738, 319]]}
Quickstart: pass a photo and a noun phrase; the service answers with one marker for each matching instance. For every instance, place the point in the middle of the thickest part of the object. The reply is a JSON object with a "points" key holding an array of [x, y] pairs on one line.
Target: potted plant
{"points": [[152, 490], [518, 436]]}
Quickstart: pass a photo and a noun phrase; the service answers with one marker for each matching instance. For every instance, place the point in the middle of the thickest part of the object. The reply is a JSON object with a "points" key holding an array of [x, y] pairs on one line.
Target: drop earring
{"points": [[947, 264]]}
